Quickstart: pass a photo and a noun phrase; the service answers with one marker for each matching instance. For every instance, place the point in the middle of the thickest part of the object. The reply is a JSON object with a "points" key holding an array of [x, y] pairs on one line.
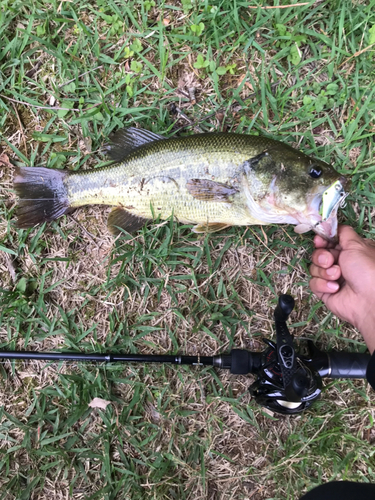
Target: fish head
{"points": [[305, 190]]}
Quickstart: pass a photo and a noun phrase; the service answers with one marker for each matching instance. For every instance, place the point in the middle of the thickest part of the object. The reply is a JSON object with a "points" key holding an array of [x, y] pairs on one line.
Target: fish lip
{"points": [[328, 229]]}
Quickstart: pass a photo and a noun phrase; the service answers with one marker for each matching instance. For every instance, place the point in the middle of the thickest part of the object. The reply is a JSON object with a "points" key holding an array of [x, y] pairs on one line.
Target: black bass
{"points": [[210, 180]]}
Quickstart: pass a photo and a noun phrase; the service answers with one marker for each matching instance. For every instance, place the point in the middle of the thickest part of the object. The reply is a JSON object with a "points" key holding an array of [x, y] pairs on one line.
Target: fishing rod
{"points": [[287, 382]]}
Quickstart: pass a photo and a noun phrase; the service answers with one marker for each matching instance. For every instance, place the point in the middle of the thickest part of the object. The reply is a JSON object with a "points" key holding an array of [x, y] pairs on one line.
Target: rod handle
{"points": [[348, 364]]}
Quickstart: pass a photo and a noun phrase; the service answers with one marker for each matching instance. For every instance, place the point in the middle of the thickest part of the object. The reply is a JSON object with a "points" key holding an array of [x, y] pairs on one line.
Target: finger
{"points": [[320, 286], [331, 274], [325, 258], [320, 242]]}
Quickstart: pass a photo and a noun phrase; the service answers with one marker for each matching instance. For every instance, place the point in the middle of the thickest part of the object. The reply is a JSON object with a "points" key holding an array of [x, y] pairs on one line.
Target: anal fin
{"points": [[210, 227], [121, 218]]}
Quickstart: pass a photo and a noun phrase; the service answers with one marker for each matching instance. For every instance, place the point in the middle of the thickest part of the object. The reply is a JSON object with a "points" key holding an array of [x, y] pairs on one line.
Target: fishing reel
{"points": [[286, 382]]}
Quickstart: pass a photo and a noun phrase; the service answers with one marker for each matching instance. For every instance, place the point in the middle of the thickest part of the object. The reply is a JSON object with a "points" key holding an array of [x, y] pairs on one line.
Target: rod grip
{"points": [[348, 364]]}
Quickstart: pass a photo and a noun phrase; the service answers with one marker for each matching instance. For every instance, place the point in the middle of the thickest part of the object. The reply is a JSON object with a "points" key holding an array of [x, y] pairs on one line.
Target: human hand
{"points": [[343, 277]]}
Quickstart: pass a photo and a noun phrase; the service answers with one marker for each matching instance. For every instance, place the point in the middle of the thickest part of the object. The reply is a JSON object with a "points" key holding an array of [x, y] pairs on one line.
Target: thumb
{"points": [[346, 236]]}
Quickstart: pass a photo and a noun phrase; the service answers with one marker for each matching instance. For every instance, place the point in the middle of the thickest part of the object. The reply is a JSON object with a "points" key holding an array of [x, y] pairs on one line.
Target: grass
{"points": [[70, 73]]}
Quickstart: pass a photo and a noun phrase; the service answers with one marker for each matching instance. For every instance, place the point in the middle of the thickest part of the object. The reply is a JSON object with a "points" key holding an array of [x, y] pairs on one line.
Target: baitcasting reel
{"points": [[286, 383]]}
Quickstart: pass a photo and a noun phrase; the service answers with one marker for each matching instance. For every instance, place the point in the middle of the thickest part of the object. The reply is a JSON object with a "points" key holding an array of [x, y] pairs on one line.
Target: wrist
{"points": [[367, 329]]}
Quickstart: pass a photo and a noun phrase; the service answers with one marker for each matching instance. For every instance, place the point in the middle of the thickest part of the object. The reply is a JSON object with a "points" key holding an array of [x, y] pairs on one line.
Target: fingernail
{"points": [[331, 271], [322, 259], [332, 285]]}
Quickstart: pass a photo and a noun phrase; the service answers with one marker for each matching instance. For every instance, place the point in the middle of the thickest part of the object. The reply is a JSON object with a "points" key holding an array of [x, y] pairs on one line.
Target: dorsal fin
{"points": [[126, 140]]}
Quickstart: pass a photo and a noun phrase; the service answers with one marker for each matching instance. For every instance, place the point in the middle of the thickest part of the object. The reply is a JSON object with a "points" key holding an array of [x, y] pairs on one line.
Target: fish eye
{"points": [[315, 172]]}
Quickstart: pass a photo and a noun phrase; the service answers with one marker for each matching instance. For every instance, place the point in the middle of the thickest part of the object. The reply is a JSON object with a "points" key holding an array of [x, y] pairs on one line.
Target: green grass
{"points": [[303, 75]]}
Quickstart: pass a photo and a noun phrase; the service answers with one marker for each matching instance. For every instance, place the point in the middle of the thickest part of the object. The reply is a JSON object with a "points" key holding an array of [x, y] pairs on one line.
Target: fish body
{"points": [[211, 180]]}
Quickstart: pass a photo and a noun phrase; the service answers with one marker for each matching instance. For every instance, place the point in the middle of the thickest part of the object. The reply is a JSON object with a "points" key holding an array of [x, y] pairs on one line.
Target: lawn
{"points": [[70, 74]]}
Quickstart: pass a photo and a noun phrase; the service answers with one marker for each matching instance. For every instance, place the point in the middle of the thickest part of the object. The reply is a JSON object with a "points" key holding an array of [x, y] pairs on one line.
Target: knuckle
{"points": [[316, 271], [312, 284]]}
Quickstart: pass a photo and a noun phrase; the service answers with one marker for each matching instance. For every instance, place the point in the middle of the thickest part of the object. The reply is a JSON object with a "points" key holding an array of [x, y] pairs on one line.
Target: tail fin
{"points": [[43, 195]]}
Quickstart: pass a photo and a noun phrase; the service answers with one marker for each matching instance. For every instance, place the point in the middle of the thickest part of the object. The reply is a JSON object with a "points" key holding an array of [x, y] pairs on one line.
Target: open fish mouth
{"points": [[322, 215], [332, 199]]}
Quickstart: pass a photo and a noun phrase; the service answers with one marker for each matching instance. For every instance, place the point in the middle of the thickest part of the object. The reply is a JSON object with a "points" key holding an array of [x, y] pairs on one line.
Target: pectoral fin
{"points": [[206, 190], [302, 228], [210, 227], [121, 218]]}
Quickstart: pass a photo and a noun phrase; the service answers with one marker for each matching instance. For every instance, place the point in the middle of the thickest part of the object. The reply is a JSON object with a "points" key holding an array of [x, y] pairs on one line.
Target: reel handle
{"points": [[284, 307]]}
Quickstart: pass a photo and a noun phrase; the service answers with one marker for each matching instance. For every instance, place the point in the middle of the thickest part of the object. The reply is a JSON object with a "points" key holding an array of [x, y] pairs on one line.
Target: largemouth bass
{"points": [[210, 180]]}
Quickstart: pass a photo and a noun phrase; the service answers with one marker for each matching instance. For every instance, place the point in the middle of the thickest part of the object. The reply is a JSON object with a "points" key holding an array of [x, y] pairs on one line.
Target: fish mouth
{"points": [[321, 216], [327, 229]]}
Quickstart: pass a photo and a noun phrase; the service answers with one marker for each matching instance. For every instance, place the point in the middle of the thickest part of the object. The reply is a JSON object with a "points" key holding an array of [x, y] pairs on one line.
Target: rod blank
{"points": [[176, 359]]}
